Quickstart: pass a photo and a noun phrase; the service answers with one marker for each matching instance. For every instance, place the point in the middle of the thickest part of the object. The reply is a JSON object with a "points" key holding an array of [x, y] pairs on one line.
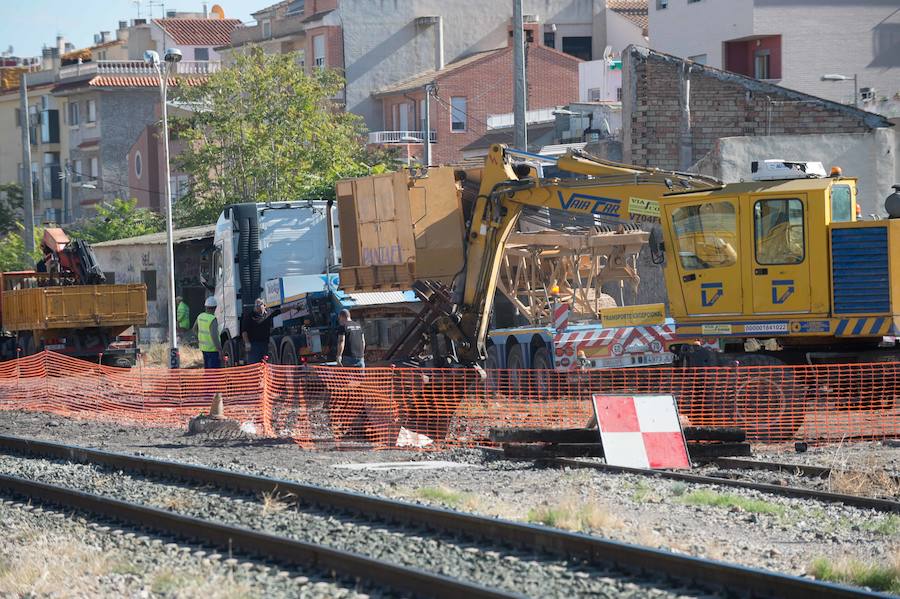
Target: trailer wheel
{"points": [[230, 353], [288, 352], [25, 345], [274, 350], [768, 402], [491, 366], [544, 375], [517, 377]]}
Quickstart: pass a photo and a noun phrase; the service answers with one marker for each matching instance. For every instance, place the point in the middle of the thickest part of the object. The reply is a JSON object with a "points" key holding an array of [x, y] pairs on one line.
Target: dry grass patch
{"points": [[879, 577], [176, 503], [864, 476], [274, 502], [730, 500], [450, 498], [573, 515]]}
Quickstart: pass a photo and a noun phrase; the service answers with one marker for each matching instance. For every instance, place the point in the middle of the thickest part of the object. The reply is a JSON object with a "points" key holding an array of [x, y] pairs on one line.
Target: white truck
{"points": [[288, 254]]}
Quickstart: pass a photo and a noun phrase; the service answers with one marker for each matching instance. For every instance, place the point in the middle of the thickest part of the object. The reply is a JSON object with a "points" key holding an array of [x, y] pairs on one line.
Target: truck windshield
{"points": [[706, 235], [841, 204]]}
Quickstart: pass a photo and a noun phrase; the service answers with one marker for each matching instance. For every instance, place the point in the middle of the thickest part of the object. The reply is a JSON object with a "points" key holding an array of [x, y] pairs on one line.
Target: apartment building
{"points": [[311, 28], [814, 47]]}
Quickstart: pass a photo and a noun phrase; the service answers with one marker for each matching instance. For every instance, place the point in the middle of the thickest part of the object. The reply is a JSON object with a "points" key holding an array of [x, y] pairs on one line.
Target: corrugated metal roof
{"points": [[375, 298], [179, 236], [560, 149]]}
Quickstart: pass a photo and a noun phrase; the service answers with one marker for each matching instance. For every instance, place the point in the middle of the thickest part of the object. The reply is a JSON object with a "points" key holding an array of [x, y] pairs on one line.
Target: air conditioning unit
{"points": [[427, 21], [867, 94], [595, 94], [529, 18]]}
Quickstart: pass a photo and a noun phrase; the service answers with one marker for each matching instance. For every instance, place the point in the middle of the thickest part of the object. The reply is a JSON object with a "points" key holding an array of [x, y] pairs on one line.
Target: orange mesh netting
{"points": [[346, 407]]}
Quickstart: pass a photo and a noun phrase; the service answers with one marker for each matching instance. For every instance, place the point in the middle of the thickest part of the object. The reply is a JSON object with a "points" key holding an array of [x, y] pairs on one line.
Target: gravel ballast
{"points": [[511, 570], [49, 553], [779, 533]]}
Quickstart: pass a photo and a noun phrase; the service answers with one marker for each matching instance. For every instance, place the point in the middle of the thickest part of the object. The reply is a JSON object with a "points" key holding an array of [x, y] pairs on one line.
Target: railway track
{"points": [[805, 470], [654, 567], [871, 503]]}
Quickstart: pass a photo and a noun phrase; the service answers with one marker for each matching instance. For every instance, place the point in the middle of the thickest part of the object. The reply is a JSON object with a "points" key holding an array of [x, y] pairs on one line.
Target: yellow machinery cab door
{"points": [[707, 248], [780, 257]]}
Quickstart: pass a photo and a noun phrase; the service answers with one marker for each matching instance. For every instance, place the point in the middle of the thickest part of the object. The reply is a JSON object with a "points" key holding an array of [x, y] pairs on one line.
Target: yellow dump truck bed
{"points": [[74, 306]]}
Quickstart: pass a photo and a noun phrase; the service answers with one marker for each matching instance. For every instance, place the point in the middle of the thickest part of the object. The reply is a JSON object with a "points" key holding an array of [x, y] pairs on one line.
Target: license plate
{"points": [[55, 346], [629, 361]]}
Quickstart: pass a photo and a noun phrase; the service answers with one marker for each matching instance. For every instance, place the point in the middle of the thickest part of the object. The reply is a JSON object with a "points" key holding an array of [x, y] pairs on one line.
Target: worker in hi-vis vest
{"points": [[207, 329]]}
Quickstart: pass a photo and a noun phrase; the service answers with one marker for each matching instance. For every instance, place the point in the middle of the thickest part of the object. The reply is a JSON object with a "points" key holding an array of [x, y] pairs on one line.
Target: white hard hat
{"points": [[210, 302]]}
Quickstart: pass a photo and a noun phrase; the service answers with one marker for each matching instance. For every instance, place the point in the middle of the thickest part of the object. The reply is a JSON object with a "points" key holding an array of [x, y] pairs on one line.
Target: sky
{"points": [[28, 25]]}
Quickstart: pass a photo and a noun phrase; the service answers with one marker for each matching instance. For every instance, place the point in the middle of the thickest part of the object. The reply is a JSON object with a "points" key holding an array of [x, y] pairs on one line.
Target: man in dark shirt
{"points": [[351, 343], [256, 326]]}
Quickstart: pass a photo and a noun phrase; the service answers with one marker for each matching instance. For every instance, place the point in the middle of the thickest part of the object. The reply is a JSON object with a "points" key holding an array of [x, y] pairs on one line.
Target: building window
{"points": [[148, 278], [550, 39], [319, 50], [179, 186], [662, 4], [78, 171], [74, 116], [201, 53], [458, 115], [91, 111], [761, 64], [578, 46], [95, 168], [698, 58], [138, 165], [266, 28], [778, 231], [706, 235]]}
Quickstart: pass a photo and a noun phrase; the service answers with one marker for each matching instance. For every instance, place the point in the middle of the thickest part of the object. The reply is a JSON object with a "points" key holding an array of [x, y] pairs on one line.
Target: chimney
{"points": [[137, 22], [205, 11], [70, 47], [171, 14], [438, 24], [60, 43], [122, 31], [97, 38], [105, 36]]}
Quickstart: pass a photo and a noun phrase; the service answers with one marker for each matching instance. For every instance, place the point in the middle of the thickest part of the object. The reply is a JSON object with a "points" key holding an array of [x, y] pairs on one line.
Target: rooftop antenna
{"points": [[137, 4]]}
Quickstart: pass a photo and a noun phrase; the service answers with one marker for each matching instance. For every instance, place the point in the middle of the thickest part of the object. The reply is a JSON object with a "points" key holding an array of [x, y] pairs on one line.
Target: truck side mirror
{"points": [[657, 245]]}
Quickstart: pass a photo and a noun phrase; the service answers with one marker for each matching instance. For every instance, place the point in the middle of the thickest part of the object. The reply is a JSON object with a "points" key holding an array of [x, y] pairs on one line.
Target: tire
{"points": [[25, 345], [288, 354], [491, 367], [545, 376], [768, 403], [230, 354], [517, 381], [274, 350]]}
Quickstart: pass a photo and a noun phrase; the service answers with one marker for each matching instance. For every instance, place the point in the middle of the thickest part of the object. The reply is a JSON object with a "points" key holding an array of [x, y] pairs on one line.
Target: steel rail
{"points": [[800, 469], [630, 558], [866, 503], [246, 541]]}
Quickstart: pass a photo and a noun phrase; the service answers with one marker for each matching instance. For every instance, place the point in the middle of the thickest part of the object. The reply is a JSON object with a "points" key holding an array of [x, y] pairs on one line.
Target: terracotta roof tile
{"points": [[199, 32], [419, 80], [635, 11]]}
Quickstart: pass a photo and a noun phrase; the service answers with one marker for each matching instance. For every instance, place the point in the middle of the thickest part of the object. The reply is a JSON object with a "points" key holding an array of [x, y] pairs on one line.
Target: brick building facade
{"points": [[478, 86], [674, 110]]}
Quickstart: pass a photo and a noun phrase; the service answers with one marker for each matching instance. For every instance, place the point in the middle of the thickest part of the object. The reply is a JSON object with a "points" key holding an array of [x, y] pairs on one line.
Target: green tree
{"points": [[263, 130], [117, 220], [10, 207], [12, 248]]}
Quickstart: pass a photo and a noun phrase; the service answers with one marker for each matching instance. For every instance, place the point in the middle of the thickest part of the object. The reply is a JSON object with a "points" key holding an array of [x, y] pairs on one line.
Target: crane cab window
{"points": [[841, 204], [706, 235], [778, 231]]}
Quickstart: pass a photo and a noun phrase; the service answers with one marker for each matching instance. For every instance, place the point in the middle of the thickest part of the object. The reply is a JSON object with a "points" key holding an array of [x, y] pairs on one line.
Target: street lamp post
{"points": [[171, 57], [837, 77]]}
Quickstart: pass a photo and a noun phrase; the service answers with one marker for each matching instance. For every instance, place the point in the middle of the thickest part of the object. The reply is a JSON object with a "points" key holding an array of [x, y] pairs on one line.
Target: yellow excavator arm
{"points": [[609, 191]]}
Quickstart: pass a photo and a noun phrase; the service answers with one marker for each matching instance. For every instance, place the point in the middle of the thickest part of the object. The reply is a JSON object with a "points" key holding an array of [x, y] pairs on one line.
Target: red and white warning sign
{"points": [[641, 431]]}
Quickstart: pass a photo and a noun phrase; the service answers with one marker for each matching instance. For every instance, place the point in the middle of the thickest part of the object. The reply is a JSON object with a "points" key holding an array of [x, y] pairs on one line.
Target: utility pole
{"points": [[519, 100], [27, 184], [67, 191], [426, 142]]}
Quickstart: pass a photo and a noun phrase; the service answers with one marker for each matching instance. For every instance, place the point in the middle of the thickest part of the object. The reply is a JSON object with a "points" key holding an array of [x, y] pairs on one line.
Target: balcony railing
{"points": [[400, 137], [137, 67]]}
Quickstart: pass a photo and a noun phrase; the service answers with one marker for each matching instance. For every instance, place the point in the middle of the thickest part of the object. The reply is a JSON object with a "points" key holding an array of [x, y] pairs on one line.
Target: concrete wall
{"points": [[686, 29], [834, 36], [383, 44], [871, 157], [129, 262]]}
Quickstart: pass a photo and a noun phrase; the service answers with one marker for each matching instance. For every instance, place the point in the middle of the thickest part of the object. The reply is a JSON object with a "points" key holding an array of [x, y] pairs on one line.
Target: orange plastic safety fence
{"points": [[387, 407]]}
